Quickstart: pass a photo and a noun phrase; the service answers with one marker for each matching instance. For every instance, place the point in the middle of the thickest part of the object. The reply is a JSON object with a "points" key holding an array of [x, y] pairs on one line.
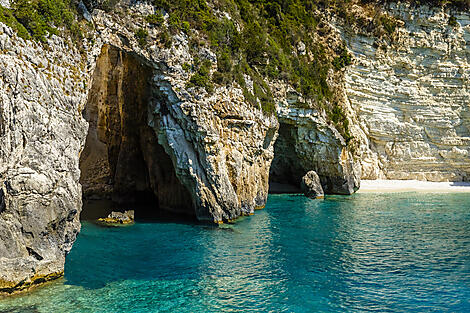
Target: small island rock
{"points": [[311, 186], [119, 218]]}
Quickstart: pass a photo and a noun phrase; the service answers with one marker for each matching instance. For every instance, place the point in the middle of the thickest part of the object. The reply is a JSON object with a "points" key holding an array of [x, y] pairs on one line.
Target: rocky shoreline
{"points": [[122, 121]]}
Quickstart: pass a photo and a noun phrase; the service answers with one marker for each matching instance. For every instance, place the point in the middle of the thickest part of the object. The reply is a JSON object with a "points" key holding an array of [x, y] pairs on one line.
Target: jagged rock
{"points": [[119, 218], [306, 141], [5, 3], [84, 11], [311, 186]]}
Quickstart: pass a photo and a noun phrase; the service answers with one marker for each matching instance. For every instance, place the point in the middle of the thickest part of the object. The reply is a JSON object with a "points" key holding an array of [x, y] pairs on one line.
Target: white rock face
{"points": [[5, 3], [413, 98], [411, 101], [41, 134], [221, 146]]}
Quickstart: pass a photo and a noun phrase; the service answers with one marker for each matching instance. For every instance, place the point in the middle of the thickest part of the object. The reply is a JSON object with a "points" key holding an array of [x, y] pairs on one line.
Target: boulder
{"points": [[118, 218], [311, 186]]}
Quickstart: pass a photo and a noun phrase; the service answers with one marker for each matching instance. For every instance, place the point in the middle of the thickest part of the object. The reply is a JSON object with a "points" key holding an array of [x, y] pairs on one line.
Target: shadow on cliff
{"points": [[461, 184], [123, 166]]}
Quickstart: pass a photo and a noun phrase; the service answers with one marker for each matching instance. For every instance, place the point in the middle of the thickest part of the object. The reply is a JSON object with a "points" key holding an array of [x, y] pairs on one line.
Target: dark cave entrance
{"points": [[286, 171], [122, 165]]}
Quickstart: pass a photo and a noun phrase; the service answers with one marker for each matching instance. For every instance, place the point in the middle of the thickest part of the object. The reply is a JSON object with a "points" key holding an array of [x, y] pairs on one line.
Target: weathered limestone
{"points": [[412, 97], [119, 218], [206, 154], [122, 159], [217, 148], [221, 149], [41, 133]]}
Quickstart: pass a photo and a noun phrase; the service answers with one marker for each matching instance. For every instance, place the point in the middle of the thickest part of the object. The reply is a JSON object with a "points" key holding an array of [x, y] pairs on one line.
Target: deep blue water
{"points": [[374, 253]]}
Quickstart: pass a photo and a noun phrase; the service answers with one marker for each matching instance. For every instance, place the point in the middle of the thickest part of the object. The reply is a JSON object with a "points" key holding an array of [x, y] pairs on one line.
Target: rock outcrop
{"points": [[311, 186], [307, 141], [205, 154], [118, 218], [411, 96]]}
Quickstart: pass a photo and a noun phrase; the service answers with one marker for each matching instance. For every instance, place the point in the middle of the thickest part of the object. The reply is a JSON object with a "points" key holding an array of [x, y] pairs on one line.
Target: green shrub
{"points": [[186, 67], [141, 35], [224, 62], [8, 18], [453, 21], [202, 77], [388, 23], [155, 19], [38, 19], [343, 60], [42, 17], [165, 38], [108, 5]]}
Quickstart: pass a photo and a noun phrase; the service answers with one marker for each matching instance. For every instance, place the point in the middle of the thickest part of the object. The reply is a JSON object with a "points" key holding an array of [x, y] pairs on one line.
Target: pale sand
{"points": [[383, 186]]}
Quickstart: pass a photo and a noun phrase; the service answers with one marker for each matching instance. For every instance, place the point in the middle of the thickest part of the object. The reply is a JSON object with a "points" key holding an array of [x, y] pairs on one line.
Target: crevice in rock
{"points": [[122, 164], [2, 201], [34, 254]]}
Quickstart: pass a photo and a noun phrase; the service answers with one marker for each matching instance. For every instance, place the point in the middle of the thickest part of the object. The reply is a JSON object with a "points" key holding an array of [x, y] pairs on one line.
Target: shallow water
{"points": [[383, 253]]}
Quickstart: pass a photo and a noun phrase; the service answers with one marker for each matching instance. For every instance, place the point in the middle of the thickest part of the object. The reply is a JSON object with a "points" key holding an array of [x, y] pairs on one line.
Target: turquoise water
{"points": [[369, 252]]}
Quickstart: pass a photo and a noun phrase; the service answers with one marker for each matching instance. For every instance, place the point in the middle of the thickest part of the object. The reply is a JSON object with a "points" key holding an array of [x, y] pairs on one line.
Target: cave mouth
{"points": [[123, 167], [286, 171]]}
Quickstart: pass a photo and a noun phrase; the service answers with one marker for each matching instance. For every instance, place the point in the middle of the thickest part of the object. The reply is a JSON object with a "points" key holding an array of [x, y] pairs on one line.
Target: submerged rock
{"points": [[119, 218], [311, 186]]}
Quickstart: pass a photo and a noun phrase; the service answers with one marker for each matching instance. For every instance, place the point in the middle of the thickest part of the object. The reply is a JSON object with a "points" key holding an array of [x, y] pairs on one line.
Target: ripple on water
{"points": [[369, 252]]}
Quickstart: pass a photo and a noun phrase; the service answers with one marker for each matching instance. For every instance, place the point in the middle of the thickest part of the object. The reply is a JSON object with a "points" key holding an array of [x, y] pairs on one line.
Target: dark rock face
{"points": [[122, 159], [2, 201], [311, 186]]}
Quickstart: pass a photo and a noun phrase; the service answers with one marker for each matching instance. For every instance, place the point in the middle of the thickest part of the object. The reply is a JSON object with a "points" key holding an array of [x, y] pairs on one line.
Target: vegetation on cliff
{"points": [[260, 40], [37, 19]]}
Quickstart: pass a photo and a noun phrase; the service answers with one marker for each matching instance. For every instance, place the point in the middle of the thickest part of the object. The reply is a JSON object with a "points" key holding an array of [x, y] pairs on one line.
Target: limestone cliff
{"points": [[41, 135], [411, 96], [307, 141], [126, 115]]}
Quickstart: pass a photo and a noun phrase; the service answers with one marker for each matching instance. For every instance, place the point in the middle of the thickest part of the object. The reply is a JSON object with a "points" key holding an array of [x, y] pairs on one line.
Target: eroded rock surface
{"points": [[306, 141], [41, 134], [118, 218], [412, 97], [200, 153], [311, 186]]}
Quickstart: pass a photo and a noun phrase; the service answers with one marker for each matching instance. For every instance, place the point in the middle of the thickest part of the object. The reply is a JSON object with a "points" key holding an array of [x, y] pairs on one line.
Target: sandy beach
{"points": [[412, 186]]}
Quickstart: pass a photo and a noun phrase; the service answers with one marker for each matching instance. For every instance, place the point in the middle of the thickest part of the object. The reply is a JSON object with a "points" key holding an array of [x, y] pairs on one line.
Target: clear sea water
{"points": [[365, 253]]}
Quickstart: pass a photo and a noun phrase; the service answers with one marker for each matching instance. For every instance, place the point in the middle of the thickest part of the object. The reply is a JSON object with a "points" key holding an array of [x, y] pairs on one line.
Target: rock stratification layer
{"points": [[412, 96], [207, 155]]}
